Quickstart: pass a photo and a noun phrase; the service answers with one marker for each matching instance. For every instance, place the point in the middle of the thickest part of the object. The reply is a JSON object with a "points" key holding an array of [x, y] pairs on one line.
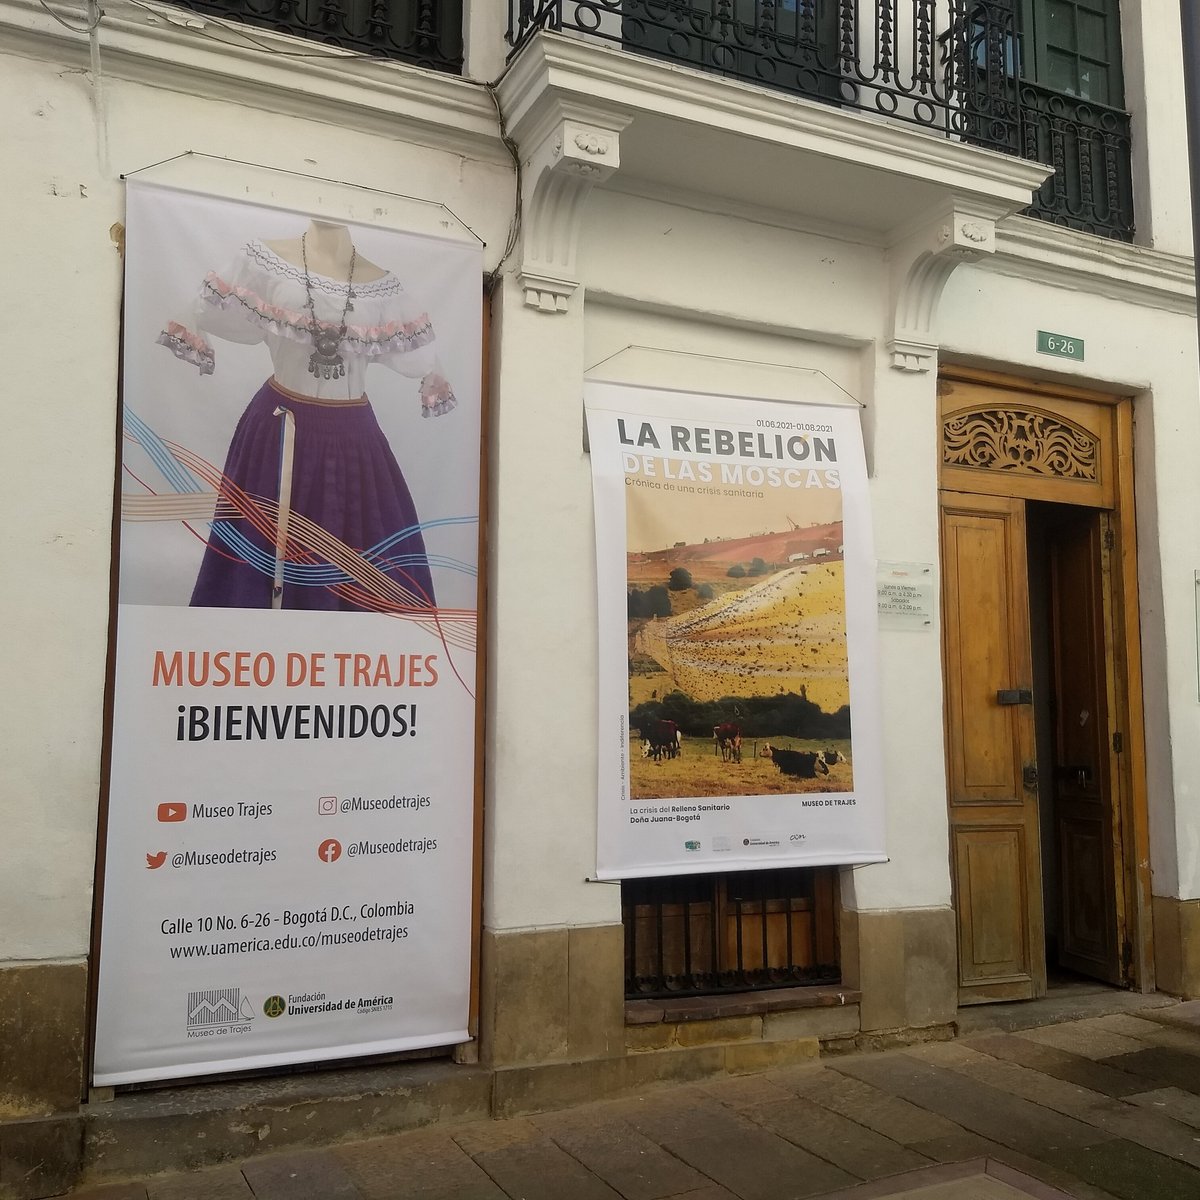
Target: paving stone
{"points": [[944, 1054], [1095, 1076], [1084, 1038], [1119, 1120], [954, 1147], [539, 1170], [624, 1158], [714, 1191], [971, 1146], [1131, 1172], [1170, 1102], [746, 1091], [738, 1154], [425, 1165], [890, 1116], [985, 1110], [307, 1176], [858, 1150], [112, 1191], [1173, 1037], [1186, 1015], [1170, 1067], [1048, 1173], [495, 1135], [1129, 1025], [223, 1183]]}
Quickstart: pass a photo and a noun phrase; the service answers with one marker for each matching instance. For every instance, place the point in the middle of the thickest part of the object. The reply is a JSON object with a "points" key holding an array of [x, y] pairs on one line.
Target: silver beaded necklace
{"points": [[326, 360]]}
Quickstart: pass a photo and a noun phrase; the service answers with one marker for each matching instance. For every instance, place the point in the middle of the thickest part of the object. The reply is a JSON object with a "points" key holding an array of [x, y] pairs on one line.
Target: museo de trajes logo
{"points": [[217, 1007]]}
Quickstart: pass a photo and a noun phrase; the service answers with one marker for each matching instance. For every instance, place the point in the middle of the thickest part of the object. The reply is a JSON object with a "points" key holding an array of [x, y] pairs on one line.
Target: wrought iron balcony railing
{"points": [[948, 66], [425, 33], [1088, 145]]}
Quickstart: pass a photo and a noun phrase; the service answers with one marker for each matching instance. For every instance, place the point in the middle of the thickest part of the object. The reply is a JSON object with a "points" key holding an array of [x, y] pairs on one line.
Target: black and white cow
{"points": [[804, 764], [661, 739]]}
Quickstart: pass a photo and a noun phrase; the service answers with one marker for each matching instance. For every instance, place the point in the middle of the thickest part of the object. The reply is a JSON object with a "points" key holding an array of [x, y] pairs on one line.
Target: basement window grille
{"points": [[744, 931]]}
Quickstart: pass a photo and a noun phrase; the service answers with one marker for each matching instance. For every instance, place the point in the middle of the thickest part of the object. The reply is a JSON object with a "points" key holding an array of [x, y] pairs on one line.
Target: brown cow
{"points": [[729, 741]]}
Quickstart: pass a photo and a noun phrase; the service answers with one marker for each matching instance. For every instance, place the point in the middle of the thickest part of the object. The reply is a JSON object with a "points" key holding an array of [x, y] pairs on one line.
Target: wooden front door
{"points": [[1084, 779], [994, 852], [1059, 463]]}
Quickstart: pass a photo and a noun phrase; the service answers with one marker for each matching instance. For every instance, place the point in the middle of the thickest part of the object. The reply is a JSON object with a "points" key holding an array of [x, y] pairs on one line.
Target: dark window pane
{"points": [[1093, 40], [1060, 24], [1062, 72], [1093, 82]]}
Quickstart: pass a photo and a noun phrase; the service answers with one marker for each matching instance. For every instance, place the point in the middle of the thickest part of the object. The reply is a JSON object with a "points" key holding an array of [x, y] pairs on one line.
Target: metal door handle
{"points": [[1029, 777], [1007, 696]]}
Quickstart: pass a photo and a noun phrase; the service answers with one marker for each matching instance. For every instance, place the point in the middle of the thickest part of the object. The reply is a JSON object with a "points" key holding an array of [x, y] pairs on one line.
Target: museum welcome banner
{"points": [[288, 865], [739, 697]]}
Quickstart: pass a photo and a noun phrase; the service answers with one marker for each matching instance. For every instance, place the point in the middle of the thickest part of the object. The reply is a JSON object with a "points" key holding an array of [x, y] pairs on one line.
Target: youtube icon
{"points": [[172, 811]]}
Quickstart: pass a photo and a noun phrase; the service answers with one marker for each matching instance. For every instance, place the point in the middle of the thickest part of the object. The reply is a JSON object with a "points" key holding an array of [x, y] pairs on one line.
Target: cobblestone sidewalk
{"points": [[1094, 1109]]}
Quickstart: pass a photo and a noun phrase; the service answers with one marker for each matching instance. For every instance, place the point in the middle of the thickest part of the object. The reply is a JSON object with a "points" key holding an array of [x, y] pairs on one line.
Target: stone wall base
{"points": [[905, 964], [40, 1156], [43, 1029], [1177, 946]]}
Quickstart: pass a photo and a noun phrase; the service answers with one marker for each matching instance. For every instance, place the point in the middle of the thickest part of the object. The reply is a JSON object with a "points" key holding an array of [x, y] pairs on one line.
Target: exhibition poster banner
{"points": [[739, 698], [288, 866]]}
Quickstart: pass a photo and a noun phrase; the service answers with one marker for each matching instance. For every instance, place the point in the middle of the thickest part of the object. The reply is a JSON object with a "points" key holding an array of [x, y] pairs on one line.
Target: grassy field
{"points": [[775, 636], [698, 771]]}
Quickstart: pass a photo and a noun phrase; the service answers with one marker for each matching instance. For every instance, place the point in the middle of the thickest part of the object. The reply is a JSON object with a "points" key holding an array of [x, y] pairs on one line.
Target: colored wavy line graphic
{"points": [[313, 557]]}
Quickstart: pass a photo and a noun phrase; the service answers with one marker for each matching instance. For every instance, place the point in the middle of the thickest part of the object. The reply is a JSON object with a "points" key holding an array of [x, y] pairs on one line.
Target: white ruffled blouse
{"points": [[263, 298]]}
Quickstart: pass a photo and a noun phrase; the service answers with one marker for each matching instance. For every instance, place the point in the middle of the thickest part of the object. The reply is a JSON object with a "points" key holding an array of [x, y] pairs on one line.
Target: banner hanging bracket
{"points": [[182, 163], [747, 378]]}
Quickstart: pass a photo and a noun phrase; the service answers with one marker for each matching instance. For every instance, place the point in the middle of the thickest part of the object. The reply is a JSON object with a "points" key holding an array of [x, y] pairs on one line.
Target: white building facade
{"points": [[855, 211]]}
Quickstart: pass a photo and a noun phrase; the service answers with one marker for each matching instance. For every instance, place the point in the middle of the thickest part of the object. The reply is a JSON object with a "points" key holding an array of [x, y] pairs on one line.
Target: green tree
{"points": [[681, 580], [737, 571], [658, 603]]}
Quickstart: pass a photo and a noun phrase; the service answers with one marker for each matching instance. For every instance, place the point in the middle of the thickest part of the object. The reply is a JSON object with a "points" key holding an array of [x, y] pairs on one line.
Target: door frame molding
{"points": [[1133, 806]]}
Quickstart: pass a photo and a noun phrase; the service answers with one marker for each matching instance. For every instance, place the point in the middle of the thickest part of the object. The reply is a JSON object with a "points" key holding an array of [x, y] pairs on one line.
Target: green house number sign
{"points": [[1061, 345]]}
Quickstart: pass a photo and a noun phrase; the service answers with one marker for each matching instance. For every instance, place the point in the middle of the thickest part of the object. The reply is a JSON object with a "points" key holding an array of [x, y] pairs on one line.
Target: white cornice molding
{"points": [[569, 152], [638, 84], [1042, 253], [963, 190], [173, 48], [920, 265]]}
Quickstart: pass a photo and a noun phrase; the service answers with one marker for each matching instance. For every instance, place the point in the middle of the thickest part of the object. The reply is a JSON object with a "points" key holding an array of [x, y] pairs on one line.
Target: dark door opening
{"points": [[1078, 778]]}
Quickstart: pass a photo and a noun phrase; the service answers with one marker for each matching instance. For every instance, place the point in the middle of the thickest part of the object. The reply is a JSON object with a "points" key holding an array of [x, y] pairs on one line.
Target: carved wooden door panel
{"points": [[992, 773], [1085, 803]]}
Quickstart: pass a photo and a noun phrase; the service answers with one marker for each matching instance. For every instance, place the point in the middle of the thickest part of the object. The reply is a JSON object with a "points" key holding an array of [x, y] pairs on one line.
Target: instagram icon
{"points": [[327, 806]]}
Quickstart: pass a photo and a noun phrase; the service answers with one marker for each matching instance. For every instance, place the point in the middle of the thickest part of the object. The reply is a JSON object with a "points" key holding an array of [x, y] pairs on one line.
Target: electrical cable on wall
{"points": [[89, 28]]}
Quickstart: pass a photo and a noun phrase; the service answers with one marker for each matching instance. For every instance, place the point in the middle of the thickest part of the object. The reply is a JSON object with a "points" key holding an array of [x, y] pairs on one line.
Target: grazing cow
{"points": [[729, 741], [659, 739], [804, 764], [833, 757]]}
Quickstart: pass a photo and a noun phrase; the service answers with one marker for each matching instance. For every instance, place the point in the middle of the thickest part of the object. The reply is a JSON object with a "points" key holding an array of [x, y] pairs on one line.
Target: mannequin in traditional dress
{"points": [[325, 314]]}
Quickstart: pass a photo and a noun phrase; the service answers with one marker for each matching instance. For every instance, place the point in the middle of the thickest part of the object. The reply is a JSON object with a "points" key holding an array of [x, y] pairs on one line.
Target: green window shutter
{"points": [[1074, 47]]}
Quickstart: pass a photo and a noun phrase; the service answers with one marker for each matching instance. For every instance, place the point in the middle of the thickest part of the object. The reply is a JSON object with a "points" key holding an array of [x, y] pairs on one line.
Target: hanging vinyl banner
{"points": [[739, 698], [289, 849]]}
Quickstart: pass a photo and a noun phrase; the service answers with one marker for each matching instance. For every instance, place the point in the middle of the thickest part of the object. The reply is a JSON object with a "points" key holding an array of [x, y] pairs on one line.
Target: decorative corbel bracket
{"points": [[569, 153], [920, 265]]}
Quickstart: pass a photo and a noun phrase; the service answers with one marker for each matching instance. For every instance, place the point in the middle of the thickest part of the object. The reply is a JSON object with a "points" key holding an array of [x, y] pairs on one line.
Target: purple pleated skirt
{"points": [[345, 478]]}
